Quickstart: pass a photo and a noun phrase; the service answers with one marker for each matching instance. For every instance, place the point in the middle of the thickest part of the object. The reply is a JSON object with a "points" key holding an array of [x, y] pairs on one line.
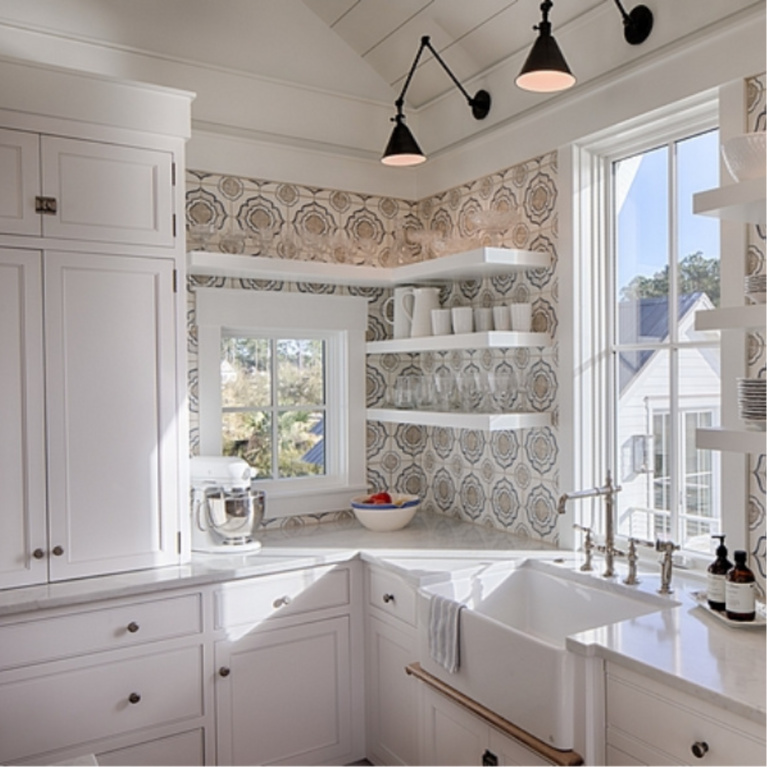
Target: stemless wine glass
{"points": [[424, 392], [445, 390], [404, 392], [472, 385], [502, 386]]}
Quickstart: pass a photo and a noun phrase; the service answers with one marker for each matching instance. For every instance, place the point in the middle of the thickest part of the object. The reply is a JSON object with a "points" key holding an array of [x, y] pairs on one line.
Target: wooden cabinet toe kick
{"points": [[553, 755]]}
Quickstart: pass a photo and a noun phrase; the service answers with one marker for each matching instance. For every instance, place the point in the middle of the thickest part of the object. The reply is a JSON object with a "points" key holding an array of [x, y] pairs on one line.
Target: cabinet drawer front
{"points": [[392, 595], [57, 705], [183, 748], [639, 708], [109, 628], [295, 593]]}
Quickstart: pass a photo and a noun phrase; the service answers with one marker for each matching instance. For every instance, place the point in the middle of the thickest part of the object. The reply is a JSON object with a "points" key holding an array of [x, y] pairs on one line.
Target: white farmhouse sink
{"points": [[512, 639]]}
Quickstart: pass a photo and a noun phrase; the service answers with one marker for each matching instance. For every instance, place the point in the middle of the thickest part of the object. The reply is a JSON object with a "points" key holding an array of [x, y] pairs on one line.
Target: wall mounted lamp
{"points": [[546, 70], [403, 149]]}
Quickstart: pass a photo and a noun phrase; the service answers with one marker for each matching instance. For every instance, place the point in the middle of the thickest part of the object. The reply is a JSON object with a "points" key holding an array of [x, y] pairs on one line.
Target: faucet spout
{"points": [[609, 491]]}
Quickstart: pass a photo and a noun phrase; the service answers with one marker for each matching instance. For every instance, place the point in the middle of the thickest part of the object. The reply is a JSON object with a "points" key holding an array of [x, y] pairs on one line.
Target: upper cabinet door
{"points": [[22, 405], [20, 174], [111, 404], [107, 192]]}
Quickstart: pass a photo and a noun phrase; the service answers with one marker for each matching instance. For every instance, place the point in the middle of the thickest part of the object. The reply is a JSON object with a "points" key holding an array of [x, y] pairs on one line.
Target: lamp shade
{"points": [[402, 148], [545, 69]]}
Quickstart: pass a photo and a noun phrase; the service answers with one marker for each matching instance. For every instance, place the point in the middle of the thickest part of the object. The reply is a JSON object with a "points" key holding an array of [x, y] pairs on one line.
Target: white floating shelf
{"points": [[479, 421], [495, 339], [731, 440], [732, 318], [473, 264], [744, 201]]}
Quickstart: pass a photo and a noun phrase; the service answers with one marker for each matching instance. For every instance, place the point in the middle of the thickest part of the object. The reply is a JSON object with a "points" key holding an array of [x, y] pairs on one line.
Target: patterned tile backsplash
{"points": [[756, 120], [506, 480]]}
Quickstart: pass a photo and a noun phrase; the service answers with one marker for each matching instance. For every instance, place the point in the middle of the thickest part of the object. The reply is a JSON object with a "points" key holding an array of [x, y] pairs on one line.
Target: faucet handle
{"points": [[588, 547], [666, 546]]}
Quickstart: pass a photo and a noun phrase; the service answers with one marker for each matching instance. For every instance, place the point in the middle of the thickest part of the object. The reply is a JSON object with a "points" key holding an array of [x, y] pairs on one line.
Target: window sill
{"points": [[317, 501]]}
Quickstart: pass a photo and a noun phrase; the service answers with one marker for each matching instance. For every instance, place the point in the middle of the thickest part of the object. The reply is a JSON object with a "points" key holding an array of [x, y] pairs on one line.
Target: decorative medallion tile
{"points": [[541, 510], [472, 497], [504, 503]]}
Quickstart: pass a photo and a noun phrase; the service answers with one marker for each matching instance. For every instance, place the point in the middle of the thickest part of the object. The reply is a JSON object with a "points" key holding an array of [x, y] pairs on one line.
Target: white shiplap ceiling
{"points": [[472, 36]]}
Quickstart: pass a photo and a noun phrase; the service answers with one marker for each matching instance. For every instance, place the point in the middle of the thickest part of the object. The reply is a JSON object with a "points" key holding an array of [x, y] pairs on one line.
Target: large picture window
{"points": [[666, 375]]}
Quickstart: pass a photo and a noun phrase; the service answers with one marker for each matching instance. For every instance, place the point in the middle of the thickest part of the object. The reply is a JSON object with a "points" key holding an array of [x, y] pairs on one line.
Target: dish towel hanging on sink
{"points": [[444, 632]]}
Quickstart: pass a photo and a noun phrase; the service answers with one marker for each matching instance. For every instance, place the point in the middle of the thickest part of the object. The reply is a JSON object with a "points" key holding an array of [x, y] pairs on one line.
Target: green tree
{"points": [[696, 274]]}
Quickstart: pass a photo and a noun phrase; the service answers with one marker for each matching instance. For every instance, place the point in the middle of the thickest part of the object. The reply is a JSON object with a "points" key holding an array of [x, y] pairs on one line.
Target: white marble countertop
{"points": [[682, 646]]}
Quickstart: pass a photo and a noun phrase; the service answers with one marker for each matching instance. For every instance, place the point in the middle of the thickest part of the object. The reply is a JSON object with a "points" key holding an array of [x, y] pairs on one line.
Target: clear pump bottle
{"points": [[716, 579]]}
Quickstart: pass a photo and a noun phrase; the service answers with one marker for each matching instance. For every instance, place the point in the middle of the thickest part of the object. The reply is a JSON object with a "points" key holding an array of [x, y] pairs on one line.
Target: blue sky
{"points": [[643, 217]]}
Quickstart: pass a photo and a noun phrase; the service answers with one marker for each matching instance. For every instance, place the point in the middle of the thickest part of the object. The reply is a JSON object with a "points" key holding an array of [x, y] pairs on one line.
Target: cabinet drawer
{"points": [[673, 721], [108, 628], [57, 705], [392, 595], [185, 748], [273, 596]]}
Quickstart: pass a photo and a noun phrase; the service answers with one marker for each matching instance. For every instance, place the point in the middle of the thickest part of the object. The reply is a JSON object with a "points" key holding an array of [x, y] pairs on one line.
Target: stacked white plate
{"points": [[756, 288], [752, 401]]}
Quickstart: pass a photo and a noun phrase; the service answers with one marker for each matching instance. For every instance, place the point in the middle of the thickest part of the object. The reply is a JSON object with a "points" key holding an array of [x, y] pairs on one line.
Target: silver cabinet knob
{"points": [[133, 627], [281, 602], [388, 598], [134, 697], [699, 748]]}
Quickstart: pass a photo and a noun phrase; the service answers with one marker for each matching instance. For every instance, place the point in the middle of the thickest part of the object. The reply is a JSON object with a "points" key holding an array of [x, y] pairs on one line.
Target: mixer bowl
{"points": [[232, 516]]}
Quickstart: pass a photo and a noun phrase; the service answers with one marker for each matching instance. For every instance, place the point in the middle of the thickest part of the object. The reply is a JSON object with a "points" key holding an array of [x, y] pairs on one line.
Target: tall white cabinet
{"points": [[91, 325]]}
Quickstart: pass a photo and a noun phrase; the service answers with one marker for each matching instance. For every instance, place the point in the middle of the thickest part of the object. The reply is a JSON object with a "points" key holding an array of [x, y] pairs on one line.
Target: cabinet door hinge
{"points": [[173, 174], [175, 289], [178, 543], [174, 224]]}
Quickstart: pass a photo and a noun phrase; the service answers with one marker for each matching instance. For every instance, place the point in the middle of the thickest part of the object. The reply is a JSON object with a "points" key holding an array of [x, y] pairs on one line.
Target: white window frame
{"points": [[341, 322], [586, 284]]}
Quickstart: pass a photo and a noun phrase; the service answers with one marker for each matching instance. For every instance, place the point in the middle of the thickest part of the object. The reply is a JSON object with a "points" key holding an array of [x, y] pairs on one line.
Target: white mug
{"points": [[463, 319], [501, 318], [521, 317], [483, 319], [424, 300], [441, 322], [403, 300]]}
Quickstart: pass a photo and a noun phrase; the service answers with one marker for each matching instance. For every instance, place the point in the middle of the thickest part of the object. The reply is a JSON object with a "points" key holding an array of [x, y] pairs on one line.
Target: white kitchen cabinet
{"points": [[22, 405], [391, 694], [288, 679], [653, 724], [99, 492], [20, 174], [452, 735], [76, 189], [125, 676], [283, 696], [110, 341]]}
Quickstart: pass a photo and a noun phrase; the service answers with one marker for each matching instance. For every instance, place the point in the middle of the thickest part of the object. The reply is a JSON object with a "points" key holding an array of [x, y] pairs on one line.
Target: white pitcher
{"points": [[403, 300], [425, 299]]}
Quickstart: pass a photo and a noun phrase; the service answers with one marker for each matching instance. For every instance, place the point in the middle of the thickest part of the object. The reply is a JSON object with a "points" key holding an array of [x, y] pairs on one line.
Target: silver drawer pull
{"points": [[281, 602], [388, 598], [133, 627], [134, 697], [699, 748]]}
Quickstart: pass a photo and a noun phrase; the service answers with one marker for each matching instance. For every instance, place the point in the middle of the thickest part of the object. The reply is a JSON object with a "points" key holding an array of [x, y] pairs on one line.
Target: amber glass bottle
{"points": [[740, 591], [717, 572]]}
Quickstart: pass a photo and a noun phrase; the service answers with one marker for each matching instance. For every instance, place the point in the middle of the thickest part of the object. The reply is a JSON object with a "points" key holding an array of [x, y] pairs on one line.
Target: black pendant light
{"points": [[545, 69], [402, 149]]}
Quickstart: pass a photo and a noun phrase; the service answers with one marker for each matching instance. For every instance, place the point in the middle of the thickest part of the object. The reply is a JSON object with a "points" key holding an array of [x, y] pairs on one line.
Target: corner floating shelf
{"points": [[743, 201], [451, 420], [731, 440], [495, 339], [471, 265]]}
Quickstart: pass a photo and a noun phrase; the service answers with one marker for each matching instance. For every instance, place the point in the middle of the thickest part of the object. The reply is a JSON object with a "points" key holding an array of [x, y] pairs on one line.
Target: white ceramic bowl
{"points": [[744, 155], [386, 517]]}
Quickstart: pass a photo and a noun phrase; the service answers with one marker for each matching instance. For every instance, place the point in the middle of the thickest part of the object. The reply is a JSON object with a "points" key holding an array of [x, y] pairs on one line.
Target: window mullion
{"points": [[275, 413]]}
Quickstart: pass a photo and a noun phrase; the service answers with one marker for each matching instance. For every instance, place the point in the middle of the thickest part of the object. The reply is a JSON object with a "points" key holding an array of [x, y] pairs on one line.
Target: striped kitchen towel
{"points": [[444, 623]]}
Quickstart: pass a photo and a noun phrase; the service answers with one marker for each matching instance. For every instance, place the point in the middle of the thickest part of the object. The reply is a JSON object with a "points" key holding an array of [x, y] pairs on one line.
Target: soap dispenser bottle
{"points": [[740, 597], [717, 572]]}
